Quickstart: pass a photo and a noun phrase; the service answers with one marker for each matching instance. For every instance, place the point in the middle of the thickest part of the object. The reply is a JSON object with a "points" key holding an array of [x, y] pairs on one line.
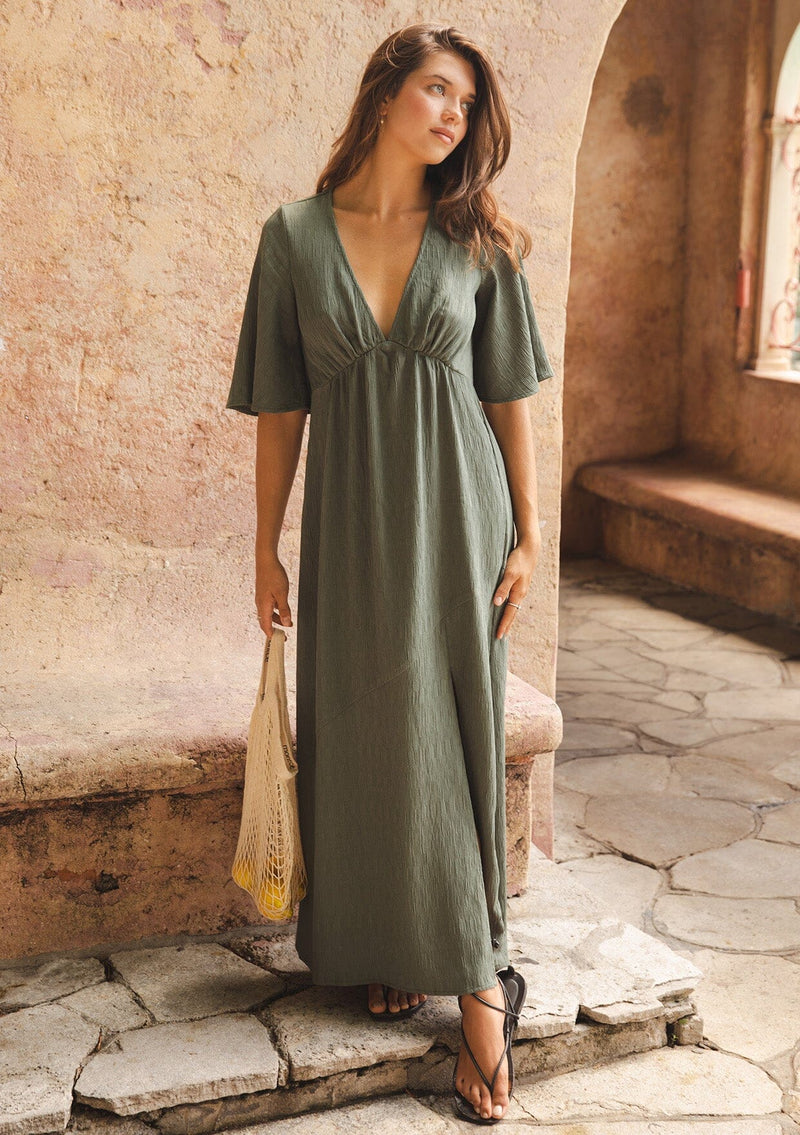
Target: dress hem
{"points": [[432, 989]]}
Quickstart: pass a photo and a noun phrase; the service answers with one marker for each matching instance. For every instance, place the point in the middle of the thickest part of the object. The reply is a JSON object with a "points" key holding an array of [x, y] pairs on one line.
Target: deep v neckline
{"points": [[358, 289]]}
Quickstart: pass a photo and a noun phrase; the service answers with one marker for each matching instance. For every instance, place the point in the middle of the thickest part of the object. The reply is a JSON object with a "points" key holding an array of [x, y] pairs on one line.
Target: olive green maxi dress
{"points": [[406, 527]]}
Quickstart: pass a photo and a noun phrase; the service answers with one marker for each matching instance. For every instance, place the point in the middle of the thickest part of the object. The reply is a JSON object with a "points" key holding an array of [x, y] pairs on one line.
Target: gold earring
{"points": [[383, 119]]}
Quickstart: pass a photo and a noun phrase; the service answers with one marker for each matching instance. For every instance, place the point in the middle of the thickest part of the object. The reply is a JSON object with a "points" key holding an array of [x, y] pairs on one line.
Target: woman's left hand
{"points": [[516, 580]]}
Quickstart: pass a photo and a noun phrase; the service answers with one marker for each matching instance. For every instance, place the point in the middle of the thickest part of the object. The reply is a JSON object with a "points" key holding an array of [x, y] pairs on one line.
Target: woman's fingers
{"points": [[265, 622], [284, 614], [274, 611], [515, 595], [512, 589], [272, 594]]}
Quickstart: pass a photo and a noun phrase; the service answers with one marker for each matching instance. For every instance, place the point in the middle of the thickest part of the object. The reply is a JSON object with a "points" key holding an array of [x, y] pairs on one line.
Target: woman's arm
{"points": [[279, 437], [511, 425]]}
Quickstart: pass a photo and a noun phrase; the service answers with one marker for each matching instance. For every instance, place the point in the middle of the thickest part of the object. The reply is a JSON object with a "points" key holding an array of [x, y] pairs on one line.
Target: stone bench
{"points": [[120, 800], [679, 518]]}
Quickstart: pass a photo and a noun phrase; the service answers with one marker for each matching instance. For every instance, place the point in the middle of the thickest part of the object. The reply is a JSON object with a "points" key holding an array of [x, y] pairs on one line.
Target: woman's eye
{"points": [[467, 105]]}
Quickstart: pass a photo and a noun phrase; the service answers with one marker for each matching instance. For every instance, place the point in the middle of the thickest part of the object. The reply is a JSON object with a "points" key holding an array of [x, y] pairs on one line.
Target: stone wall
{"points": [[735, 417], [623, 346], [145, 143], [670, 195]]}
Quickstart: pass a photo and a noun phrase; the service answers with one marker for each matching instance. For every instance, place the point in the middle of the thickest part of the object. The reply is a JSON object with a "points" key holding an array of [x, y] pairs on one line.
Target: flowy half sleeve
{"points": [[509, 357], [269, 373]]}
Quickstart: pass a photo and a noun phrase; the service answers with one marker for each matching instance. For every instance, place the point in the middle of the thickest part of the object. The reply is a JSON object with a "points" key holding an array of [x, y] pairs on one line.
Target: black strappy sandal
{"points": [[388, 1015], [514, 990]]}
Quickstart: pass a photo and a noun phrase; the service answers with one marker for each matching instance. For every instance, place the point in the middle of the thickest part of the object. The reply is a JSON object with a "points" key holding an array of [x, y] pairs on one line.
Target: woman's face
{"points": [[433, 102]]}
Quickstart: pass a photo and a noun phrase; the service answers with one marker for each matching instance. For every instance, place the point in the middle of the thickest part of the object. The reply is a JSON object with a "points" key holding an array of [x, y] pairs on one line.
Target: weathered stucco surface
{"points": [[146, 142], [745, 422]]}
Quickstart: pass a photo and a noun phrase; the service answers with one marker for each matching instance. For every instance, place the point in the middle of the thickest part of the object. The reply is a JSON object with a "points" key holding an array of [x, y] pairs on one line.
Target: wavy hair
{"points": [[464, 205]]}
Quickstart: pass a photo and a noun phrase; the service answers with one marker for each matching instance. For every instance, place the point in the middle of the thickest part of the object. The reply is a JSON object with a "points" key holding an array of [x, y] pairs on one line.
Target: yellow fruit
{"points": [[273, 894]]}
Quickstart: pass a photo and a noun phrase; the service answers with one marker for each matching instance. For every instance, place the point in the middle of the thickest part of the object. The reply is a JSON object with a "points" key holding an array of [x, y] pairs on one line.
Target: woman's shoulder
{"points": [[295, 219], [302, 208]]}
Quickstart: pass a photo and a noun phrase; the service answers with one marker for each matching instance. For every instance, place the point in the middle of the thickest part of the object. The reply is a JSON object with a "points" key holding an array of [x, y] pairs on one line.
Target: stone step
{"points": [[677, 517], [195, 1037]]}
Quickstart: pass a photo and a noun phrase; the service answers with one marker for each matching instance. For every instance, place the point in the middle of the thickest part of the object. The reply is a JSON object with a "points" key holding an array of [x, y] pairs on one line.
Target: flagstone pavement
{"points": [[677, 872], [677, 797]]}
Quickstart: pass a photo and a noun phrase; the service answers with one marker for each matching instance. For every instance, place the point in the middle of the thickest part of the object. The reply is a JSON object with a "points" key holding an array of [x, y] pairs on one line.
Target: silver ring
{"points": [[517, 605]]}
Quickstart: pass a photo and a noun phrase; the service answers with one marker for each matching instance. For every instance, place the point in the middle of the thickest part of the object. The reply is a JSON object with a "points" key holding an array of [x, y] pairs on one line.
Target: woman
{"points": [[391, 305]]}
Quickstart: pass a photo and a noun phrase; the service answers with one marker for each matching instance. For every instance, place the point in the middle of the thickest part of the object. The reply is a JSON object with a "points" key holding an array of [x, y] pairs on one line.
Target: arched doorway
{"points": [[622, 361]]}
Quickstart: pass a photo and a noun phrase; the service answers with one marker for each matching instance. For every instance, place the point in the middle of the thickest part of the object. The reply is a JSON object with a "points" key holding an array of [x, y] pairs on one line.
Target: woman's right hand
{"points": [[272, 594]]}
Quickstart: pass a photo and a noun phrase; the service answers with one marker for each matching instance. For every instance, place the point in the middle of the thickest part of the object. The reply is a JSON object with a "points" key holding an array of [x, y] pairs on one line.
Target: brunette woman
{"points": [[392, 306]]}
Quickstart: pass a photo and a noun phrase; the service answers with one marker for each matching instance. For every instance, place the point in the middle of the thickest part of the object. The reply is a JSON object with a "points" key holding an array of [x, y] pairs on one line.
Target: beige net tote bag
{"points": [[269, 861]]}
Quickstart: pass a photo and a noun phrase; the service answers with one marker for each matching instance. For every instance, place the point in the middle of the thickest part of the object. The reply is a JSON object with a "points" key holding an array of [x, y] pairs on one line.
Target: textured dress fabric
{"points": [[406, 527]]}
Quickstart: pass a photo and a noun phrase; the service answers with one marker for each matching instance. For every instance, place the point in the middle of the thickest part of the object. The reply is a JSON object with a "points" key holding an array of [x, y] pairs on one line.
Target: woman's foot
{"points": [[483, 1028], [398, 999]]}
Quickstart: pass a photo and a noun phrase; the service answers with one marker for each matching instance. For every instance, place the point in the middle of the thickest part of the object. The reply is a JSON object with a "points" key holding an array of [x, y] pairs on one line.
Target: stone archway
{"points": [[623, 338]]}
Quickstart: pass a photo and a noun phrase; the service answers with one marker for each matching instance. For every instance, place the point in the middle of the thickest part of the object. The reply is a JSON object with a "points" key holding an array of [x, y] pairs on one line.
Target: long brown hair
{"points": [[464, 205]]}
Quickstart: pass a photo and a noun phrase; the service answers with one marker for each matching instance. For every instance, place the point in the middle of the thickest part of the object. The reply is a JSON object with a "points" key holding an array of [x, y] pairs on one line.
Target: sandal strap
{"points": [[481, 1073], [508, 1011]]}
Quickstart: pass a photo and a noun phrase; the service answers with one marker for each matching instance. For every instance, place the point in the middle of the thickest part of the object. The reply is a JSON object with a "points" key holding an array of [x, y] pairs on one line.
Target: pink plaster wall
{"points": [[145, 141], [709, 413]]}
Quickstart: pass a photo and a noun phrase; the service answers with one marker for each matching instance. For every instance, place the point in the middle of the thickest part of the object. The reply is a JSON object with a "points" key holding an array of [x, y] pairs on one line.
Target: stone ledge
{"points": [[106, 780], [700, 496], [75, 742], [678, 518]]}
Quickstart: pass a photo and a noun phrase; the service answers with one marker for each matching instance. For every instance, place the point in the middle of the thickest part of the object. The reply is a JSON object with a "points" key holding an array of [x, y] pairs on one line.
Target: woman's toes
{"points": [[486, 1103], [475, 1098], [470, 1092], [377, 1003], [499, 1104], [397, 999]]}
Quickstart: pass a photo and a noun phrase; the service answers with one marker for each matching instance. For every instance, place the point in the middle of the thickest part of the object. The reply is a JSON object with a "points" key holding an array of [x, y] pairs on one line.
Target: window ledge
{"points": [[792, 376]]}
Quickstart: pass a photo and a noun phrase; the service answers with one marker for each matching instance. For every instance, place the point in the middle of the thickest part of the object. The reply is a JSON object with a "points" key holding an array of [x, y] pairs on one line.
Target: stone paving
{"points": [[661, 948], [678, 804]]}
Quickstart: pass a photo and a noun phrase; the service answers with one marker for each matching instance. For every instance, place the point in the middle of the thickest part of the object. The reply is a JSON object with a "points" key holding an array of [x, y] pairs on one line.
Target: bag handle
{"points": [[272, 670], [262, 685]]}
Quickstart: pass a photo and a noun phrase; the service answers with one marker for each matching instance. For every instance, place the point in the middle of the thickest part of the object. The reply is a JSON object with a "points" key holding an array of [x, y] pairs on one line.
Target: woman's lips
{"points": [[445, 137]]}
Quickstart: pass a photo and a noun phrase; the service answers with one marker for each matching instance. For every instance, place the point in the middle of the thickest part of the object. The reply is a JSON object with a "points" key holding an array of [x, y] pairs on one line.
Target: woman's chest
{"points": [[381, 257], [423, 298]]}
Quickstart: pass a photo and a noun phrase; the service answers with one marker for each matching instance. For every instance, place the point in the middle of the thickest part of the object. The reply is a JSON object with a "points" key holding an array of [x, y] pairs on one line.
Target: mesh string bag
{"points": [[269, 863]]}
